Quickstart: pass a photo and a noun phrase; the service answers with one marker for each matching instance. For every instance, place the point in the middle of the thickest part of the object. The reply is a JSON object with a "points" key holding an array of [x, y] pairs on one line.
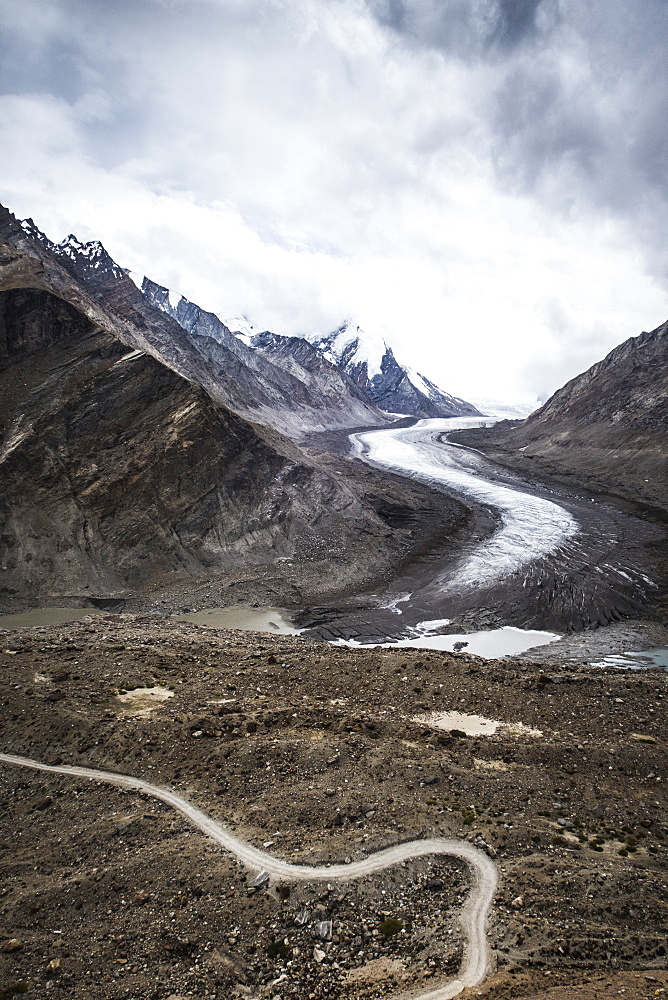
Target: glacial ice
{"points": [[531, 527]]}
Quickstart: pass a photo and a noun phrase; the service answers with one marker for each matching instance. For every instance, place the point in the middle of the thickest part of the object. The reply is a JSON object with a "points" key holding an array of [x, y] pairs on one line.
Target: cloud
{"points": [[516, 21], [465, 28], [482, 182], [576, 113]]}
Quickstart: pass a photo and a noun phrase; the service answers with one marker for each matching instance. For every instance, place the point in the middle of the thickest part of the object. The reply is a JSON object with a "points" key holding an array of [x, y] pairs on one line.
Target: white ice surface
{"points": [[531, 527], [492, 644]]}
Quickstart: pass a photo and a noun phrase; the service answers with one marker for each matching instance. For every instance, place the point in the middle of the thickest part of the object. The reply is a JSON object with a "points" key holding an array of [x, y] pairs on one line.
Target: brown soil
{"points": [[311, 748]]}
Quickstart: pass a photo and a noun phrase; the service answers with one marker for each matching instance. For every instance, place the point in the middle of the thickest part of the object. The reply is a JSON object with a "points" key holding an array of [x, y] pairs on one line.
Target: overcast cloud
{"points": [[483, 182]]}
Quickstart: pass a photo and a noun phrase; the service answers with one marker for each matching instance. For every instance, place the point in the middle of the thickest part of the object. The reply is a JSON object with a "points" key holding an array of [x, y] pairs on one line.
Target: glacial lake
{"points": [[491, 644], [243, 616], [41, 617]]}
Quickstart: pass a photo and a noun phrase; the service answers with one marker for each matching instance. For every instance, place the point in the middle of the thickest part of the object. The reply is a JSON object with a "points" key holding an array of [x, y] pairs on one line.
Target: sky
{"points": [[484, 183]]}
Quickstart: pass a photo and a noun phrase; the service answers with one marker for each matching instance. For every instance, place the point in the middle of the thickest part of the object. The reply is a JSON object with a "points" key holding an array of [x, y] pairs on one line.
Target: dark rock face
{"points": [[627, 390], [607, 427], [31, 320], [120, 469]]}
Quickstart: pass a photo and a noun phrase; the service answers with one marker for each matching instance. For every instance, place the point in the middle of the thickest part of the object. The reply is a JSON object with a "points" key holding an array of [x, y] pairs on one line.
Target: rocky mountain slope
{"points": [[123, 463], [607, 428], [204, 351], [348, 365], [295, 392]]}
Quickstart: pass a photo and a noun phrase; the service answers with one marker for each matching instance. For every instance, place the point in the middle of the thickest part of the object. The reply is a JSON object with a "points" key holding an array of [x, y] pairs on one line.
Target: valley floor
{"points": [[312, 752]]}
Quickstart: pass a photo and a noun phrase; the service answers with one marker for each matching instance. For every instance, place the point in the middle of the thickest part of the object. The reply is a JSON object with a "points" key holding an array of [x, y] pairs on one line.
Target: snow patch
{"points": [[14, 440], [142, 701], [242, 328], [416, 380], [180, 414], [129, 357], [136, 277], [391, 605]]}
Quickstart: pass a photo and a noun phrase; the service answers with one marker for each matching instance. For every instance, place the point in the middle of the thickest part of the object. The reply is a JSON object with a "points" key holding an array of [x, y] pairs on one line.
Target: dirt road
{"points": [[477, 957]]}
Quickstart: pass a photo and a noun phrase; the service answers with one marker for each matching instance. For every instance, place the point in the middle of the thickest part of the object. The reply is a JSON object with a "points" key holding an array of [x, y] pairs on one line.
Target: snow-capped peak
{"points": [[351, 346], [29, 227], [92, 254], [73, 247], [431, 391], [364, 358]]}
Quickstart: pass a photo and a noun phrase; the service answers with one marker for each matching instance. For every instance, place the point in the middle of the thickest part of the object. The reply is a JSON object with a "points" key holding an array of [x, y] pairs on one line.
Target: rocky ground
{"points": [[313, 751]]}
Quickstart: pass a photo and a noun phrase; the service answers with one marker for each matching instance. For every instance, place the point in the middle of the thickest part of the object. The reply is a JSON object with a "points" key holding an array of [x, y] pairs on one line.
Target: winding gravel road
{"points": [[473, 918]]}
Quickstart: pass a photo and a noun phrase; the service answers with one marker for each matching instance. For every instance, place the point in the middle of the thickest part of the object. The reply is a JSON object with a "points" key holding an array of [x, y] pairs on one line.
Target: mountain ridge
{"points": [[606, 428], [367, 363], [224, 366], [328, 397], [382, 383]]}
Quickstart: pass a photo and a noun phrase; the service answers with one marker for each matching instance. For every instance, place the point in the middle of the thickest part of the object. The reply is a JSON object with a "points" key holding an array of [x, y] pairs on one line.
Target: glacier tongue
{"points": [[531, 526]]}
